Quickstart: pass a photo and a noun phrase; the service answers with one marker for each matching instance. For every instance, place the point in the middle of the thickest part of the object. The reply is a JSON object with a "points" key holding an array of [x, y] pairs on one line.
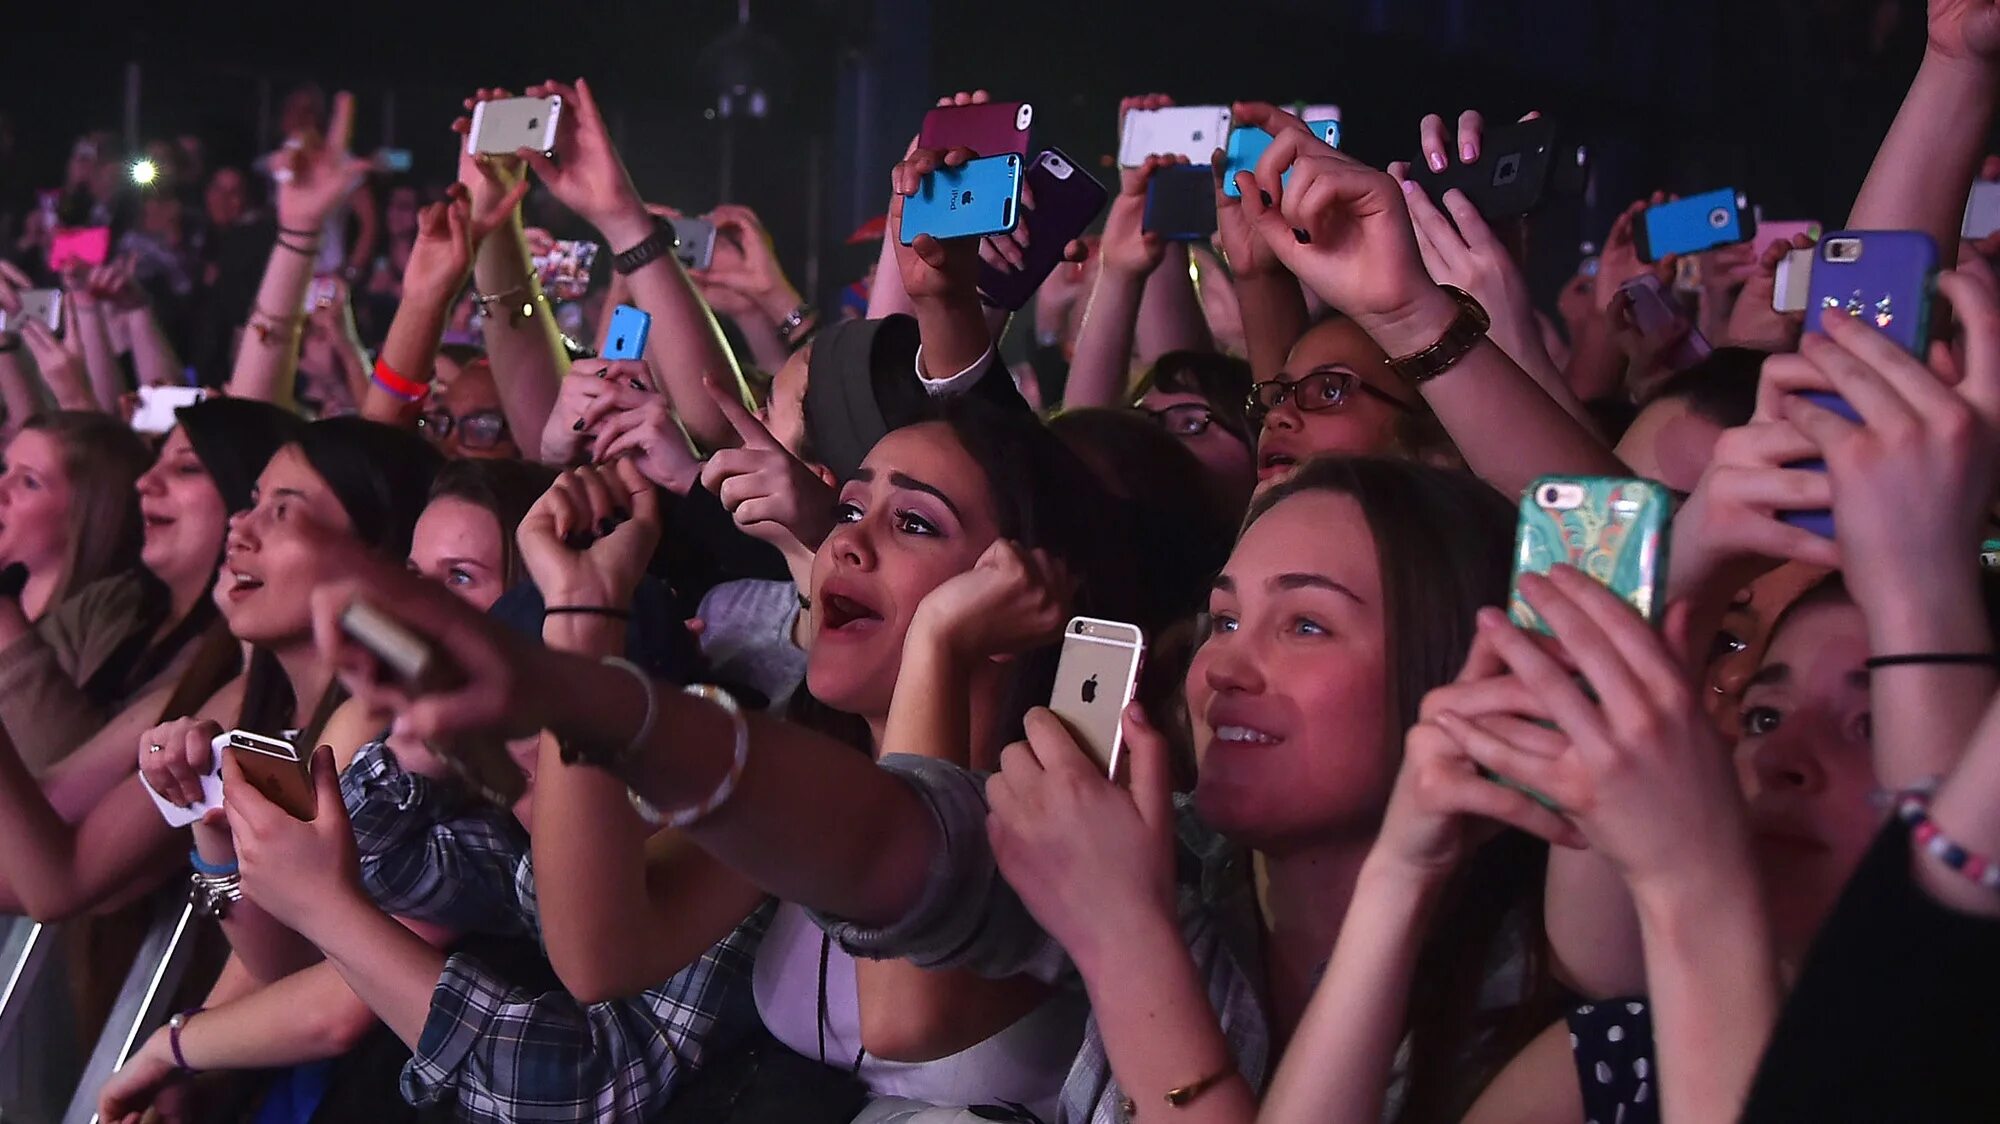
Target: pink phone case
{"points": [[86, 245], [995, 128]]}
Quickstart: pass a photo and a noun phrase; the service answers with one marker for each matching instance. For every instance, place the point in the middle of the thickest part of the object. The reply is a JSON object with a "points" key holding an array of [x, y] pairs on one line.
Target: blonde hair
{"points": [[103, 460]]}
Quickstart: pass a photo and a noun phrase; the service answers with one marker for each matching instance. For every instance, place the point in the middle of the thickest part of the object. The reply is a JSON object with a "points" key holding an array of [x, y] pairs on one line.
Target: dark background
{"points": [[1785, 99]]}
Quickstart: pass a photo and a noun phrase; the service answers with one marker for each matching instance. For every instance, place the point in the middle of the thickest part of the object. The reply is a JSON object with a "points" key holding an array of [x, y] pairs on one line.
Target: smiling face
{"points": [[457, 544], [1805, 763], [184, 515], [270, 565], [917, 513], [35, 497], [1287, 694], [1362, 424]]}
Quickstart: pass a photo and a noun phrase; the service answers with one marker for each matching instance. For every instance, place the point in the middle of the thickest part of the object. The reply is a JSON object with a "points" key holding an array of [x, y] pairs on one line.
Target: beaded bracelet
{"points": [[1914, 809]]}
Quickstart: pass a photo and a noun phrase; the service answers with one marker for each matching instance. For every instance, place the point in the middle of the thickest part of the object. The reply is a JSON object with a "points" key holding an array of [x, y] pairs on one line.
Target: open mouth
{"points": [[1275, 464], [237, 584], [1246, 735], [843, 615]]}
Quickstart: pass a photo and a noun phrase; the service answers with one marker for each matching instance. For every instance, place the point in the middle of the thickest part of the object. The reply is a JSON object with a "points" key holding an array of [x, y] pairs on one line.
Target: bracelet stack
{"points": [[725, 788], [304, 242], [1914, 809]]}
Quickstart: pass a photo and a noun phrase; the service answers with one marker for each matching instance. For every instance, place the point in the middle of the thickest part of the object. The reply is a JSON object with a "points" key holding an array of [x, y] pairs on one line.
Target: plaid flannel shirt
{"points": [[968, 917], [512, 1053]]}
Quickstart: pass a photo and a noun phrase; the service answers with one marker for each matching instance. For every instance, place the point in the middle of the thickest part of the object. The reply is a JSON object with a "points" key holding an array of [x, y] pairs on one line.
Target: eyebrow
{"points": [[911, 483], [479, 562], [1225, 584]]}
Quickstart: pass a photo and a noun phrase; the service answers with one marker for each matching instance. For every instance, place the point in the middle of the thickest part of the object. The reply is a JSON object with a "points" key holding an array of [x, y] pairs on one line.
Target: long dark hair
{"points": [[1443, 540], [382, 478]]}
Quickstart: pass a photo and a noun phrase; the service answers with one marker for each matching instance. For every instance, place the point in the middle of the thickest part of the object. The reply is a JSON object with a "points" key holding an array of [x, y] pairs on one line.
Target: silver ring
{"points": [[155, 748]]}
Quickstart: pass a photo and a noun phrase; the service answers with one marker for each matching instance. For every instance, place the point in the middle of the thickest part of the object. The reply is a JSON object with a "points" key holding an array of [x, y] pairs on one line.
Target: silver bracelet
{"points": [[213, 894], [725, 788]]}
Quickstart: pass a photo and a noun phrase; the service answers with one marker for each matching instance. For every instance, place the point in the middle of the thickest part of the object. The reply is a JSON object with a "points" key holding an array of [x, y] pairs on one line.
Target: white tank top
{"points": [[1024, 1064]]}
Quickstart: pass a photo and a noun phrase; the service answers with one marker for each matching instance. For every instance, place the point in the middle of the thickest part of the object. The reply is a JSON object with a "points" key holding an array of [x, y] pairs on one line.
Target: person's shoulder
{"points": [[351, 726]]}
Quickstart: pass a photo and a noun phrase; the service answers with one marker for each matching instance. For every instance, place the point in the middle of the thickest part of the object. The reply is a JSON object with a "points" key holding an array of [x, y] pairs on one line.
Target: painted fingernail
{"points": [[607, 525], [577, 540], [578, 427], [1409, 187], [1437, 161], [604, 372], [636, 384], [1265, 196], [1467, 152], [620, 514], [1299, 232]]}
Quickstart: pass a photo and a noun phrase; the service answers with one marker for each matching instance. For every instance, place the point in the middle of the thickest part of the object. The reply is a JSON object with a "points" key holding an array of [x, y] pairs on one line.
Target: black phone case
{"points": [[1519, 167], [1063, 209], [1180, 203]]}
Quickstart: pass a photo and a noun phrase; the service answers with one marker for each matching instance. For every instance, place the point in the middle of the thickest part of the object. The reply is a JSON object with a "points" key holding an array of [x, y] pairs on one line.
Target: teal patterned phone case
{"points": [[1612, 528]]}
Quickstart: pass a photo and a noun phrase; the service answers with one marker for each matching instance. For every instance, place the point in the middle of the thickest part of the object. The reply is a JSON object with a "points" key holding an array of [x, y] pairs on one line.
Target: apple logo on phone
{"points": [[1089, 691], [534, 122], [965, 199]]}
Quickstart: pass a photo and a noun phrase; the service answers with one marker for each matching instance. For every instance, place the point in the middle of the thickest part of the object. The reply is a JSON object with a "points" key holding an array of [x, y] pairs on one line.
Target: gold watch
{"points": [[1463, 334]]}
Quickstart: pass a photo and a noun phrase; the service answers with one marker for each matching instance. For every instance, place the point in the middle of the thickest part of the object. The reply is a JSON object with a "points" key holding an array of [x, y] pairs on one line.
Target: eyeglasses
{"points": [[1321, 390], [1188, 419], [480, 429]]}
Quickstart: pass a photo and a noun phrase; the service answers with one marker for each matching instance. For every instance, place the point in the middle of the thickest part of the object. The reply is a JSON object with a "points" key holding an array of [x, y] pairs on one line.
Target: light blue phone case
{"points": [[627, 337], [1247, 144], [1691, 225], [979, 197]]}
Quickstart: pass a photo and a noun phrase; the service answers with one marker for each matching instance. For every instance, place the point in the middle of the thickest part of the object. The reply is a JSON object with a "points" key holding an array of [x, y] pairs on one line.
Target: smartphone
{"points": [[1655, 313], [505, 125], [483, 763], [81, 245], [1248, 142], [1519, 167], [627, 337], [1794, 281], [158, 403], [1884, 275], [1784, 230], [1180, 203], [394, 161], [1699, 222], [1095, 677], [1193, 131], [1059, 201], [1982, 211], [321, 292], [978, 197], [1612, 528], [274, 768], [564, 272], [993, 129], [36, 304], [697, 242]]}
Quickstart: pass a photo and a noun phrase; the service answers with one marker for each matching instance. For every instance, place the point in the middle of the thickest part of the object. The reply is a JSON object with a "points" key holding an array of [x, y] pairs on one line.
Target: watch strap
{"points": [[661, 242], [1459, 338]]}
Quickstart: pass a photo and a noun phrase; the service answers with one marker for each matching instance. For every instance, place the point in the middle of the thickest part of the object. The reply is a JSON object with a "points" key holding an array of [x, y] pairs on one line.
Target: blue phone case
{"points": [[1247, 144], [1696, 223], [627, 337], [977, 198], [1885, 276]]}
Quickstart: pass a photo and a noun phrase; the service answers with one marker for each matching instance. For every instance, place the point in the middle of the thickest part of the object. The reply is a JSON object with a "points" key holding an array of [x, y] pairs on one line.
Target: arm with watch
{"points": [[586, 175], [1352, 243], [746, 283]]}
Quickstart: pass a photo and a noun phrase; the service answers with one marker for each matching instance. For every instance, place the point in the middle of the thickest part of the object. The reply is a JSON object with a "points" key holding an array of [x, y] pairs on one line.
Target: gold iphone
{"points": [[1095, 678]]}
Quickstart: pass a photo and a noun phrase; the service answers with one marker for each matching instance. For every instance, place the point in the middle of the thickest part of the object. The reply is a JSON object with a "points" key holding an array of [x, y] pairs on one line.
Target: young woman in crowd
{"points": [[346, 474]]}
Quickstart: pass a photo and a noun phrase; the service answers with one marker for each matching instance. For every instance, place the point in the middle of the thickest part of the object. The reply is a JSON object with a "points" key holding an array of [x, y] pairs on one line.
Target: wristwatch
{"points": [[1460, 337], [661, 242]]}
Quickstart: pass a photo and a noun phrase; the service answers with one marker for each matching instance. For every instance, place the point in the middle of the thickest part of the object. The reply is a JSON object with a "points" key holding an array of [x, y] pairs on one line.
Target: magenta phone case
{"points": [[993, 129], [1059, 201]]}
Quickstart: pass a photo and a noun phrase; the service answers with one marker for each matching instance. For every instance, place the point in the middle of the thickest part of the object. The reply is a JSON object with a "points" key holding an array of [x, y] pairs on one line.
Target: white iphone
{"points": [[1794, 281], [1193, 131], [1982, 211], [158, 403], [504, 126], [36, 304]]}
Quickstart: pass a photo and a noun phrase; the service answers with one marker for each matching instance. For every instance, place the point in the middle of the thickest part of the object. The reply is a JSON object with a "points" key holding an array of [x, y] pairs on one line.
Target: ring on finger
{"points": [[156, 748]]}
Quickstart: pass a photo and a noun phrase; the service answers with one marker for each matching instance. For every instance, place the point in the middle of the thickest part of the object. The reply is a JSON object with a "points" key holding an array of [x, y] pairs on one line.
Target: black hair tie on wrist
{"points": [[588, 611], [1937, 659]]}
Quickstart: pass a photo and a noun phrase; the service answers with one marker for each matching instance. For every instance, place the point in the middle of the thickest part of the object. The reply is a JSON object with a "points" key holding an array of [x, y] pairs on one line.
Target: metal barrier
{"points": [[143, 999]]}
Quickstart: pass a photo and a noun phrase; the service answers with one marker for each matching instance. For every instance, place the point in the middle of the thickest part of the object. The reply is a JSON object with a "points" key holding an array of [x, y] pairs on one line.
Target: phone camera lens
{"points": [[1551, 495]]}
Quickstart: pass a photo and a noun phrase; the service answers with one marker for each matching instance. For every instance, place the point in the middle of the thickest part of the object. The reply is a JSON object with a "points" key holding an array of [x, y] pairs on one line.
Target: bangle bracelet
{"points": [[1914, 809], [403, 387], [1186, 1094], [484, 299], [1933, 659], [724, 788], [213, 870], [174, 1027], [267, 325], [588, 611], [645, 729]]}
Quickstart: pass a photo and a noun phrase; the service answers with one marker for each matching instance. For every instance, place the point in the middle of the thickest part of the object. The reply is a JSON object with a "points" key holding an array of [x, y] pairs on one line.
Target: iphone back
{"points": [[1059, 201], [1095, 678], [1611, 528], [992, 129], [506, 125], [979, 197], [1193, 131]]}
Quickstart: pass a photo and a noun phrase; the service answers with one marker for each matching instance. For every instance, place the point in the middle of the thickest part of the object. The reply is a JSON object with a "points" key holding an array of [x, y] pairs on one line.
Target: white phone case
{"points": [[158, 403], [1193, 131], [211, 792], [1982, 211], [501, 127], [1794, 281]]}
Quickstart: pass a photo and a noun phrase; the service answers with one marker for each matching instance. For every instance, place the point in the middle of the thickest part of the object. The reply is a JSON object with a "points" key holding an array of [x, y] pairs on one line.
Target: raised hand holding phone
{"points": [[584, 172], [929, 266], [293, 868]]}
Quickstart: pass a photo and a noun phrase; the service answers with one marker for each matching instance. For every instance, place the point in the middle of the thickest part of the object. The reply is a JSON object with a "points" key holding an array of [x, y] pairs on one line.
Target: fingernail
{"points": [[578, 427], [636, 384], [1265, 196], [1409, 187], [620, 514], [1437, 161], [1299, 232], [1467, 153], [604, 372]]}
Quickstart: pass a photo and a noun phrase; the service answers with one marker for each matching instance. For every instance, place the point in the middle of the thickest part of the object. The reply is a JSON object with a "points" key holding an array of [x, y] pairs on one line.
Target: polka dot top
{"points": [[1612, 1043]]}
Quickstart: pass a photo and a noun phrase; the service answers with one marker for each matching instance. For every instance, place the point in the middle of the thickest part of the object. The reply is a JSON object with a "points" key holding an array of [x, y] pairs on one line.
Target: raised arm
{"points": [[686, 347], [941, 278], [314, 175], [1271, 303], [84, 315], [1927, 161], [746, 282], [1100, 370], [1354, 246]]}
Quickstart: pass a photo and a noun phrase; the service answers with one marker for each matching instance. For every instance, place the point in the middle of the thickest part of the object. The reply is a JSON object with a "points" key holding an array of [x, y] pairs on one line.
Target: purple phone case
{"points": [[1888, 284], [990, 129], [1060, 211], [1820, 521], [1653, 313]]}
